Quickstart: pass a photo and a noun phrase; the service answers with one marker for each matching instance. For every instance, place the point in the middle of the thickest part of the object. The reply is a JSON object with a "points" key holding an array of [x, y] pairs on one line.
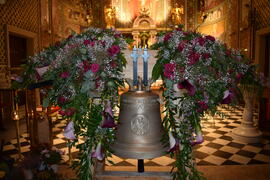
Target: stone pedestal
{"points": [[247, 132]]}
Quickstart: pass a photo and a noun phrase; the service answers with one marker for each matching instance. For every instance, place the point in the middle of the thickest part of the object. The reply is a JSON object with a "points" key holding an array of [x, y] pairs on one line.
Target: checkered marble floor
{"points": [[218, 147]]}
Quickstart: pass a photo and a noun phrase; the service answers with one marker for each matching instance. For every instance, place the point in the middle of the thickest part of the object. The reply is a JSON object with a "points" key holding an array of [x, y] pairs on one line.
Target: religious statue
{"points": [[176, 14], [89, 18], [110, 14]]}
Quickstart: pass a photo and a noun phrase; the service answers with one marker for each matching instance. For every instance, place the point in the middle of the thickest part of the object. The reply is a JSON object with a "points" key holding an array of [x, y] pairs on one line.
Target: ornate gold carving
{"points": [[110, 14], [176, 14]]}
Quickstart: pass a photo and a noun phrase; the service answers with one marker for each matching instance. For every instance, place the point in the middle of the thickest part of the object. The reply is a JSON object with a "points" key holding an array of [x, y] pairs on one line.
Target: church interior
{"points": [[28, 27]]}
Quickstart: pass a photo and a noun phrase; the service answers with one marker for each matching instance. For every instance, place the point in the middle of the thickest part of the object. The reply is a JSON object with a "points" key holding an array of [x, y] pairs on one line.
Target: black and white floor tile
{"points": [[217, 149]]}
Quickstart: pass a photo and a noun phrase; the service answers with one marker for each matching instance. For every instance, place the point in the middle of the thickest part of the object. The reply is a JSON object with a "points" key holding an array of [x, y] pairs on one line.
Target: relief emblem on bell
{"points": [[139, 125], [139, 132]]}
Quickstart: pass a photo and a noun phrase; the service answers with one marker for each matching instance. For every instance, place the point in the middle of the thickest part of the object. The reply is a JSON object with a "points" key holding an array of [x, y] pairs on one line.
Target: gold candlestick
{"points": [[69, 153], [16, 119]]}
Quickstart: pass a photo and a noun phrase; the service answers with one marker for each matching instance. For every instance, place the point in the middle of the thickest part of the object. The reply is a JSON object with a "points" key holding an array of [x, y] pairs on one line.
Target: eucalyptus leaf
{"points": [[83, 50], [45, 102], [156, 72], [85, 86], [89, 74]]}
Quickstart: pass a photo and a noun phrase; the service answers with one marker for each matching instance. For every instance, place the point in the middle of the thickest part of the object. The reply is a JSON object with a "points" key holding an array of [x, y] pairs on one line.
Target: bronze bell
{"points": [[139, 131]]}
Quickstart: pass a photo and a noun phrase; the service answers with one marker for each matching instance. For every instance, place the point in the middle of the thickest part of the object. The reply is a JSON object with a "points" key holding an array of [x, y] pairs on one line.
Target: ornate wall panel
{"points": [[191, 14], [215, 23], [67, 17], [262, 13], [20, 13]]}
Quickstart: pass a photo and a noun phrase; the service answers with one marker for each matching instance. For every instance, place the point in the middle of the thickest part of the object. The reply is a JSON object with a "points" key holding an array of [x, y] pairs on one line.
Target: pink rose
{"points": [[57, 44], [168, 74], [86, 42], [167, 37], [211, 38], [62, 113], [86, 66], [94, 67], [113, 64], [70, 36], [193, 58], [115, 49], [228, 52], [70, 111], [117, 35], [239, 76], [64, 75], [170, 67], [169, 70], [182, 46], [202, 106], [62, 100], [201, 41], [178, 29], [92, 43], [206, 55]]}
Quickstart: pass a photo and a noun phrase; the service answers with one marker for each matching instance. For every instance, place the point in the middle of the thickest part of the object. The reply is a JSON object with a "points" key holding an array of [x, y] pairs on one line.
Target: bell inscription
{"points": [[139, 125]]}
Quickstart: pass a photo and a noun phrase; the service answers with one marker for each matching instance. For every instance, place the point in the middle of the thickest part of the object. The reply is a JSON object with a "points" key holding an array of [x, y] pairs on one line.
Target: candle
{"points": [[145, 66], [134, 55]]}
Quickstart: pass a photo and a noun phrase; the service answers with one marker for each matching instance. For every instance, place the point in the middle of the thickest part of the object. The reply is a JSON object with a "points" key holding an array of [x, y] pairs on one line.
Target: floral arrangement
{"points": [[51, 156], [42, 162], [83, 72], [253, 82], [199, 73]]}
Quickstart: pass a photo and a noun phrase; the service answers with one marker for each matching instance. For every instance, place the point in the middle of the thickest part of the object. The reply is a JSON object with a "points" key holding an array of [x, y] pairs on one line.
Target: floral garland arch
{"points": [[199, 73], [85, 71]]}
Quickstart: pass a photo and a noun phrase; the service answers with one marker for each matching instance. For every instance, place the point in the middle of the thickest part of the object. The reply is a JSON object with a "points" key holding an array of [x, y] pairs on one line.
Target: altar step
{"points": [[122, 175]]}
